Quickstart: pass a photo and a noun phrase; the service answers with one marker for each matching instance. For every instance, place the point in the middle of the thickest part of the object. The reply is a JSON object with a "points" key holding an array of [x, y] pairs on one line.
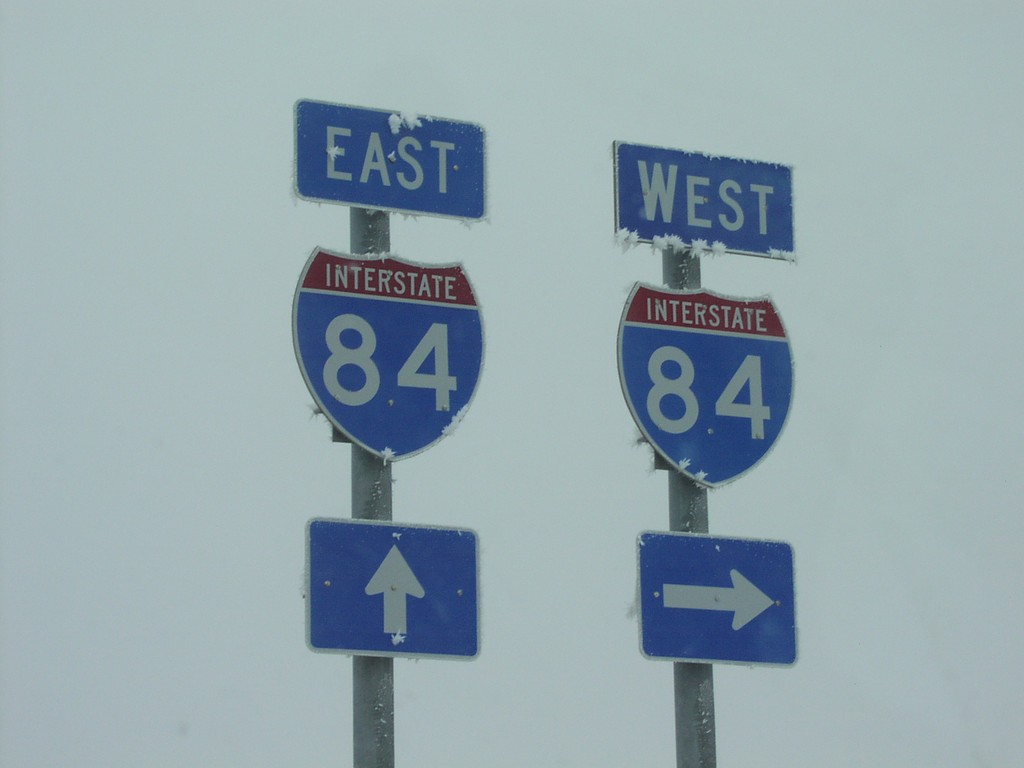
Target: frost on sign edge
{"points": [[627, 238], [456, 419]]}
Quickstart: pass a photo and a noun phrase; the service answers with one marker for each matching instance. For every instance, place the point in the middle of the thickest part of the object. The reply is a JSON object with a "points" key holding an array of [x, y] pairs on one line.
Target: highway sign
{"points": [[392, 161], [391, 350], [745, 205], [708, 599], [379, 589], [708, 378]]}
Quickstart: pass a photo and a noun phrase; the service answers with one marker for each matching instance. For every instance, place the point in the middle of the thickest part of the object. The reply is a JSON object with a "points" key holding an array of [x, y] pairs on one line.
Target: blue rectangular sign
{"points": [[745, 206], [708, 599], [378, 589], [395, 161]]}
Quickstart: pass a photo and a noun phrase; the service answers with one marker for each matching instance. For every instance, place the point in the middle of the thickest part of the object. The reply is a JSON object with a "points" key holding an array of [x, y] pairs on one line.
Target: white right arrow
{"points": [[746, 601], [395, 580]]}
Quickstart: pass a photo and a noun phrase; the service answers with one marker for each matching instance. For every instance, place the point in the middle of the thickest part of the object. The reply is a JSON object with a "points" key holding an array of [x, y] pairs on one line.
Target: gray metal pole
{"points": [[688, 512], [373, 678]]}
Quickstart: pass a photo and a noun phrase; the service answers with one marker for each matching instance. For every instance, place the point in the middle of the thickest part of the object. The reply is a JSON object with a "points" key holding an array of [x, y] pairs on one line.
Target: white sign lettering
{"points": [[406, 161], [659, 190]]}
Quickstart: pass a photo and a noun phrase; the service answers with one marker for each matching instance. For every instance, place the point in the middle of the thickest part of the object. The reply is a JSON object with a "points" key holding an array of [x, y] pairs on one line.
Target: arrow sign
{"points": [[689, 612], [362, 575], [745, 601], [395, 580]]}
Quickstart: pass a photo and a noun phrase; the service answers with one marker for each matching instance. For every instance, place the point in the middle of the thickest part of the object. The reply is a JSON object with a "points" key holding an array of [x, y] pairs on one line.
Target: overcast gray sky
{"points": [[159, 462]]}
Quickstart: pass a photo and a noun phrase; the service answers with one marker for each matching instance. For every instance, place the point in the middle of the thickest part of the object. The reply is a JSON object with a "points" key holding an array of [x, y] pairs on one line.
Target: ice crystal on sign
{"points": [[388, 455], [397, 639], [718, 248], [668, 242], [700, 475], [699, 247], [626, 239], [409, 119], [775, 253], [334, 152], [684, 463]]}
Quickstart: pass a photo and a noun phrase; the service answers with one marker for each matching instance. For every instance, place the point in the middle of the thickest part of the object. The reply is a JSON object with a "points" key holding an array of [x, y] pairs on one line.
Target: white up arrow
{"points": [[395, 580], [746, 601]]}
